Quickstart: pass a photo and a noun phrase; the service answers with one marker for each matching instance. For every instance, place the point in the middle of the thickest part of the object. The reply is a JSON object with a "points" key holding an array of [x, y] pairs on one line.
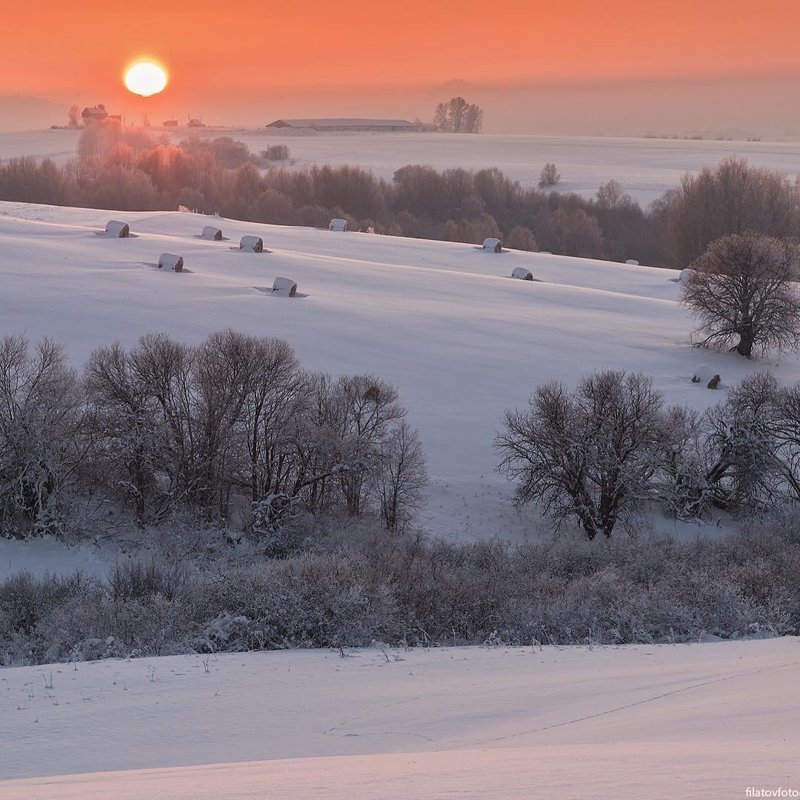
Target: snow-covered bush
{"points": [[408, 590]]}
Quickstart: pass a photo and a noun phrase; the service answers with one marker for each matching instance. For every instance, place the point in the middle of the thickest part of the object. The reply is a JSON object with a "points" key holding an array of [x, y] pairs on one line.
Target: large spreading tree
{"points": [[745, 294]]}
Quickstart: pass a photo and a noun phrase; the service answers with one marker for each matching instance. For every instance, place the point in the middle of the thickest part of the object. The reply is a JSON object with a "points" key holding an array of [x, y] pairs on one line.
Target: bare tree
{"points": [[458, 116], [74, 116], [588, 455], [549, 176], [128, 428], [742, 466], [401, 476], [43, 441], [731, 198], [744, 295]]}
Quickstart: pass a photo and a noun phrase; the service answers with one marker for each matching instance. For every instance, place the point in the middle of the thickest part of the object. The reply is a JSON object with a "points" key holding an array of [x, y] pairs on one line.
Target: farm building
{"points": [[346, 125], [212, 233], [251, 244], [121, 230], [522, 274], [170, 261], [338, 225], [493, 245], [285, 287], [94, 114]]}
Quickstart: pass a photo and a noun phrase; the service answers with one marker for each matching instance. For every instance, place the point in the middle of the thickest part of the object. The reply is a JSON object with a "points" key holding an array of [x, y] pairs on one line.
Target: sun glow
{"points": [[146, 78]]}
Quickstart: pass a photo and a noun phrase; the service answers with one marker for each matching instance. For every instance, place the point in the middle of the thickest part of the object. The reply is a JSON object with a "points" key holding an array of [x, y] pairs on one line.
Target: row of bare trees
{"points": [[601, 454], [233, 423]]}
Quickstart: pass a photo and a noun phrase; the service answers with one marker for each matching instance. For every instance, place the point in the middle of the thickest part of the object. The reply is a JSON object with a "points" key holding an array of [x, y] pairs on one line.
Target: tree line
{"points": [[124, 169], [232, 430]]}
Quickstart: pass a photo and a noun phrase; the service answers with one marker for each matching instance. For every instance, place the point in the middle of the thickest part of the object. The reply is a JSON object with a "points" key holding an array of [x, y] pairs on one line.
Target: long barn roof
{"points": [[341, 122]]}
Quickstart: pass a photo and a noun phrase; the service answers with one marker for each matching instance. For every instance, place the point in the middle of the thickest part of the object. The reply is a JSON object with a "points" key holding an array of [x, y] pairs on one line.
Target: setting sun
{"points": [[145, 78]]}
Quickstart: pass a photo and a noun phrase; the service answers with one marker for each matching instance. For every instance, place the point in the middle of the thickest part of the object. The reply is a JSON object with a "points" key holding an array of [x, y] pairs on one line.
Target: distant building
{"points": [[195, 123], [170, 123], [348, 125], [95, 114]]}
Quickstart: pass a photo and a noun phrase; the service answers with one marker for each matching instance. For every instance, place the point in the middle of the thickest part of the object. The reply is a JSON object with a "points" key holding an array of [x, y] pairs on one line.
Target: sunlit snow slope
{"points": [[638, 722]]}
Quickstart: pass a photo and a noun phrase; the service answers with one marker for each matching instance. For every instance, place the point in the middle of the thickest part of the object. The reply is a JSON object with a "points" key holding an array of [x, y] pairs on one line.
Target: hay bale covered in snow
{"points": [[714, 382], [285, 287], [170, 261], [212, 233], [633, 262], [686, 276], [338, 225], [120, 230], [704, 374], [493, 245], [251, 244], [522, 274]]}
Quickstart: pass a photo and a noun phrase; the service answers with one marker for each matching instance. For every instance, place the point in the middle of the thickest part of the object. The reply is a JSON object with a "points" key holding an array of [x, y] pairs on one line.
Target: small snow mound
{"points": [[285, 287], [251, 244], [632, 262]]}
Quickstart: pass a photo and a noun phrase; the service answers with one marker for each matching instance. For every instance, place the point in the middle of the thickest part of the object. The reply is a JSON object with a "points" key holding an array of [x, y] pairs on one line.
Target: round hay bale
{"points": [[285, 287], [493, 245], [338, 225], [522, 274], [251, 244], [120, 230], [211, 233], [686, 276], [170, 261], [703, 374]]}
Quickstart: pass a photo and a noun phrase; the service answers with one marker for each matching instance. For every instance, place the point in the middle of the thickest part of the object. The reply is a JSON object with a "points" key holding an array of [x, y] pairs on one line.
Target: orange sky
{"points": [[78, 48]]}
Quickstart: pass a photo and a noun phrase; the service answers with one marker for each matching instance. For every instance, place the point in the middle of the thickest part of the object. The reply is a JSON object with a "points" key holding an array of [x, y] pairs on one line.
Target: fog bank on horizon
{"points": [[738, 108]]}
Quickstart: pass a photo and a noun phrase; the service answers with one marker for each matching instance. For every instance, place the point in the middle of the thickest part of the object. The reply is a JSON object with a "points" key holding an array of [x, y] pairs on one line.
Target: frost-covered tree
{"points": [[400, 477], [588, 455], [43, 439], [744, 294]]}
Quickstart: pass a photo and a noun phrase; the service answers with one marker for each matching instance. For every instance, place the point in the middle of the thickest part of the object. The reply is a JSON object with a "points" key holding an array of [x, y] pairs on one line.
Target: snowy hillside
{"points": [[643, 722], [443, 322]]}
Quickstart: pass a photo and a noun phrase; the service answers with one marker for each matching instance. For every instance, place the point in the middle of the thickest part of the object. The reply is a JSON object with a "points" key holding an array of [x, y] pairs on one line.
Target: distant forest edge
{"points": [[132, 170]]}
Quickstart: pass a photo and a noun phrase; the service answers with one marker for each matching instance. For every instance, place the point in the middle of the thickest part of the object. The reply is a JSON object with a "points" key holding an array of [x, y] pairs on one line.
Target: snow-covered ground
{"points": [[644, 167], [444, 322], [663, 721]]}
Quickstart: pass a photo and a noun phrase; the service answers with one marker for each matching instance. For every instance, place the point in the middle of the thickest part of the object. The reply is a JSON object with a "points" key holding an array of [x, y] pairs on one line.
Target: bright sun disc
{"points": [[146, 79]]}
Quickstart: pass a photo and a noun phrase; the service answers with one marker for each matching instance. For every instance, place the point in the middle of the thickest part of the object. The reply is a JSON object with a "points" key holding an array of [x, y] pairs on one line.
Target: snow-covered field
{"points": [[649, 722], [463, 342], [644, 167], [441, 321]]}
